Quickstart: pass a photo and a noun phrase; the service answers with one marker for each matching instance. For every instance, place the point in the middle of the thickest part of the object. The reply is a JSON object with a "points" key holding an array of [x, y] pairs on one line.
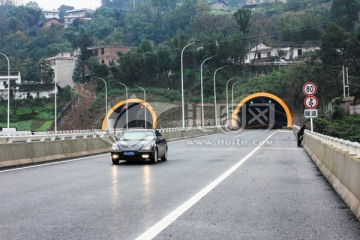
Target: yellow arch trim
{"points": [[132, 100], [263, 94]]}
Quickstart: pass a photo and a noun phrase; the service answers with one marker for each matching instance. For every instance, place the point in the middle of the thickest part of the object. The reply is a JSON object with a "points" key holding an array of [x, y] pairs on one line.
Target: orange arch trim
{"points": [[132, 100], [263, 94]]}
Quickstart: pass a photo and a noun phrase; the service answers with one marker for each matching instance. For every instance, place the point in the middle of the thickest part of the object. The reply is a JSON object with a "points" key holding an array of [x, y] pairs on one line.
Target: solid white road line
{"points": [[170, 218]]}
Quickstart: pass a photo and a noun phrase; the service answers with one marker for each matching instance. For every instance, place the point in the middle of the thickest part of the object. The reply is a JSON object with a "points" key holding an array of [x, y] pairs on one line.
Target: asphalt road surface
{"points": [[239, 185]]}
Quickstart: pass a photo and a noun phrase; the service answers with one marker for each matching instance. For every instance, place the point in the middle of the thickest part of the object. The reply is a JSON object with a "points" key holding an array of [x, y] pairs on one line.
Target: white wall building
{"points": [[15, 79], [49, 14], [63, 64], [252, 2], [71, 15], [263, 51], [219, 5], [35, 91]]}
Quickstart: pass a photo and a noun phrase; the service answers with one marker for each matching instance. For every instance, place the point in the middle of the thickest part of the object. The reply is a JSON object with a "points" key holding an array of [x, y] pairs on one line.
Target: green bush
{"points": [[340, 126], [44, 127]]}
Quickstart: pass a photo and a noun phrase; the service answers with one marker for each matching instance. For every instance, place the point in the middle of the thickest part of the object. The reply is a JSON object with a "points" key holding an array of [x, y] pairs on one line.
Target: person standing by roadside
{"points": [[300, 135]]}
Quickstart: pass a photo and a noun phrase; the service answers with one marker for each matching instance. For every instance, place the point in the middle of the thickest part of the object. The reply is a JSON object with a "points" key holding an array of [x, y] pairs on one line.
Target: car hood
{"points": [[133, 144]]}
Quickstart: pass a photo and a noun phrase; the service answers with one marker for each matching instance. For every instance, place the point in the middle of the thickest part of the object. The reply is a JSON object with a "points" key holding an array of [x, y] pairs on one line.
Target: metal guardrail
{"points": [[51, 137], [351, 148], [14, 137]]}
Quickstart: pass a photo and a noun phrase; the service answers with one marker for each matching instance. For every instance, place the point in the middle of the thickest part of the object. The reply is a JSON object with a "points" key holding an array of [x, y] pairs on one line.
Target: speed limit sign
{"points": [[309, 88]]}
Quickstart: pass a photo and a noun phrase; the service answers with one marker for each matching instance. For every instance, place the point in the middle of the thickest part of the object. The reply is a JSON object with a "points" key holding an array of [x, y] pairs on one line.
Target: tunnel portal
{"points": [[262, 111]]}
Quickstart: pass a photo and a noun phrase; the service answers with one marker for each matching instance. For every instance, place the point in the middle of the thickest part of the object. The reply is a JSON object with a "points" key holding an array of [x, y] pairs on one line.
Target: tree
{"points": [[32, 4], [345, 13], [83, 42], [242, 17], [333, 46], [179, 18], [138, 26], [124, 4], [212, 27], [98, 69], [46, 72], [295, 5], [62, 11], [164, 60]]}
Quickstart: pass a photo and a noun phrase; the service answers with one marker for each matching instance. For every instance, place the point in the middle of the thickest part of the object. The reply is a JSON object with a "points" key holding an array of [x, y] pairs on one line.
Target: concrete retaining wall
{"points": [[340, 169], [14, 154]]}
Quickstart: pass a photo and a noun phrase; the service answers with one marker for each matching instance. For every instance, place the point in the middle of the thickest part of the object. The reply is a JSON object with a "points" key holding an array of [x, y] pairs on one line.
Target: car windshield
{"points": [[138, 135]]}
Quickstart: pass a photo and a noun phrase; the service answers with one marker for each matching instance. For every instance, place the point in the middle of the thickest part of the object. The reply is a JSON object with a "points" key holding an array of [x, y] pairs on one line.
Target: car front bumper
{"points": [[131, 154]]}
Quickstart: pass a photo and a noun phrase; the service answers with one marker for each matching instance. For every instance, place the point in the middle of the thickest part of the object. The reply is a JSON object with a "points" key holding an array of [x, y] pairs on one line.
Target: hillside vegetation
{"points": [[159, 29]]}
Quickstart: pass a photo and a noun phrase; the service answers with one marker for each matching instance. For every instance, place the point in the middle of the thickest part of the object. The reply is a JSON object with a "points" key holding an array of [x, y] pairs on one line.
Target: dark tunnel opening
{"points": [[136, 117], [262, 113]]}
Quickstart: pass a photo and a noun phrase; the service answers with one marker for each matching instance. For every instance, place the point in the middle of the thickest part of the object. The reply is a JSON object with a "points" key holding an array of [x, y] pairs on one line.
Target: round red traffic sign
{"points": [[309, 88], [311, 101]]}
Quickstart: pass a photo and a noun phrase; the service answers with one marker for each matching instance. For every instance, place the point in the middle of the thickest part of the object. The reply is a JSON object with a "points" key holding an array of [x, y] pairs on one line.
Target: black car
{"points": [[140, 144]]}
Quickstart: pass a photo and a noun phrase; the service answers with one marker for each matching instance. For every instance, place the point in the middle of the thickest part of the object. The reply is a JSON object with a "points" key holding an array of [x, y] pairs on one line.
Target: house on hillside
{"points": [[71, 15], [263, 53], [51, 21], [251, 2], [63, 64], [49, 14], [53, 17], [219, 5], [15, 80], [23, 90], [34, 90], [254, 3], [108, 54]]}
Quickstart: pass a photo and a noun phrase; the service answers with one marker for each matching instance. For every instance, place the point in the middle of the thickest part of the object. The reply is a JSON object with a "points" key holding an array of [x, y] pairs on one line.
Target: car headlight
{"points": [[115, 147], [147, 147]]}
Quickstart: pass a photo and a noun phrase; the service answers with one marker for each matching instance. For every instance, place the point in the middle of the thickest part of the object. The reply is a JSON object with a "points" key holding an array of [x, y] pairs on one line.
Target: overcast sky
{"points": [[55, 4]]}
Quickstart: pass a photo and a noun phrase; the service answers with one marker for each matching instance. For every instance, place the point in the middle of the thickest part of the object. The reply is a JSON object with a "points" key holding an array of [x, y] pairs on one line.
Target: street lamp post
{"points": [[182, 83], [106, 95], [8, 113], [227, 100], [202, 90], [127, 110], [55, 92], [144, 104], [215, 93], [232, 97]]}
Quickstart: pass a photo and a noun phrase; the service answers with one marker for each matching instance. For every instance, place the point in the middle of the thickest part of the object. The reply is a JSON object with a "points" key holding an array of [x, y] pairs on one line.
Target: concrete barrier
{"points": [[341, 169], [178, 135], [22, 153], [14, 154]]}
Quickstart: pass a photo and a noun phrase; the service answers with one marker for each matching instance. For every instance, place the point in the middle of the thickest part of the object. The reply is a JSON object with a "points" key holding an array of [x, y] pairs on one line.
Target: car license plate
{"points": [[129, 153]]}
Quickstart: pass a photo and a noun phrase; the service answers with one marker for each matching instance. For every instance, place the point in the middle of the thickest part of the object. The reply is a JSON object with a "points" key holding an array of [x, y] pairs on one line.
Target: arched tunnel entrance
{"points": [[133, 113], [262, 111]]}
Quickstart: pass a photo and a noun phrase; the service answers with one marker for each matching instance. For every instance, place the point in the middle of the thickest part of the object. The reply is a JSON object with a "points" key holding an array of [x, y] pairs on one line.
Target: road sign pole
{"points": [[310, 102]]}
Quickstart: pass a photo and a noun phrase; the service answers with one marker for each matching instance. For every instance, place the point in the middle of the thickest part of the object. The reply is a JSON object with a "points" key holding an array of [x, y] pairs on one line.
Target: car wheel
{"points": [[115, 161], [155, 156], [165, 157]]}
